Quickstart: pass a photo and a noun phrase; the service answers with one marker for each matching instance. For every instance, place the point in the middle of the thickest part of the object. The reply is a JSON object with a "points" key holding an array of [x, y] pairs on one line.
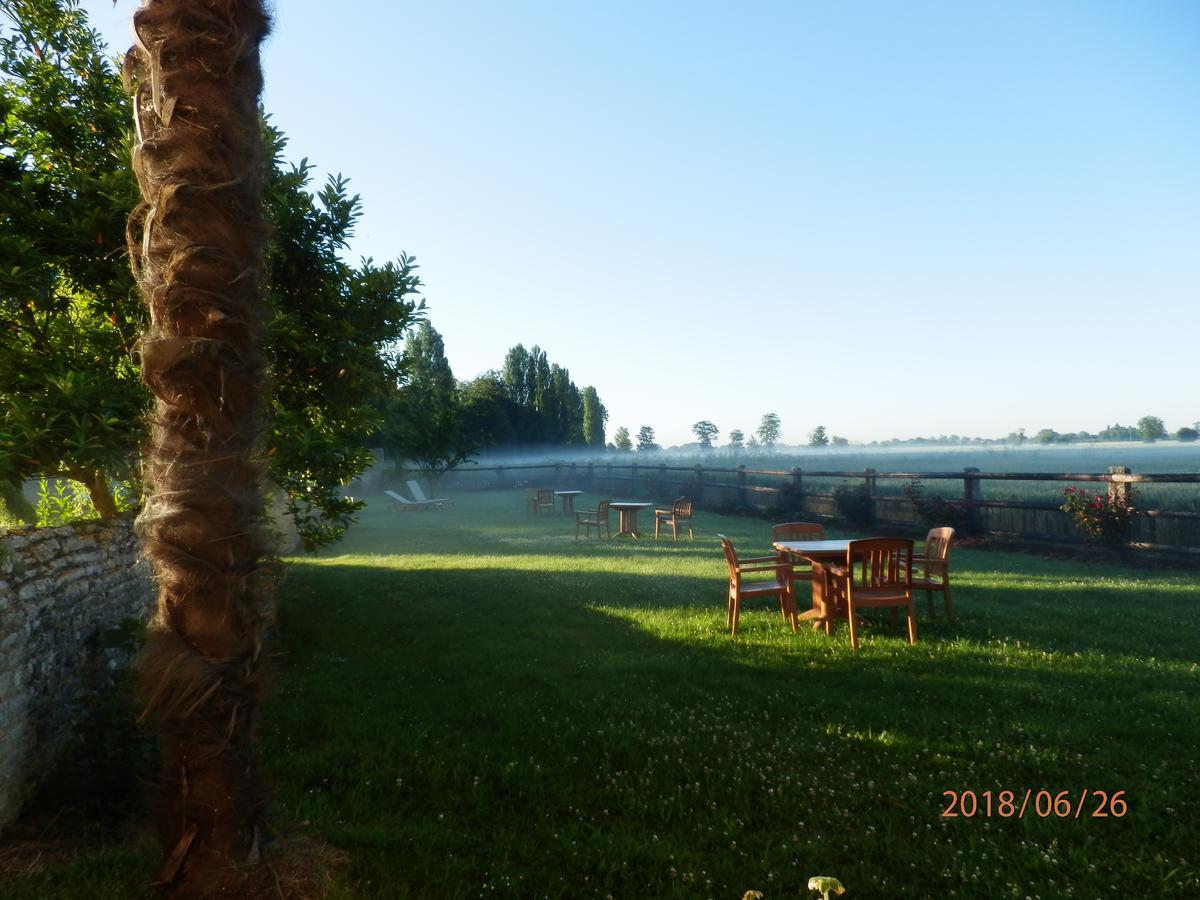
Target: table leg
{"points": [[628, 523]]}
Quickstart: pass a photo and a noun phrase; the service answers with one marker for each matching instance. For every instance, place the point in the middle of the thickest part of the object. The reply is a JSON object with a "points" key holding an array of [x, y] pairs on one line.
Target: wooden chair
{"points": [[679, 514], [537, 499], [934, 568], [797, 531], [877, 573], [593, 518], [780, 586]]}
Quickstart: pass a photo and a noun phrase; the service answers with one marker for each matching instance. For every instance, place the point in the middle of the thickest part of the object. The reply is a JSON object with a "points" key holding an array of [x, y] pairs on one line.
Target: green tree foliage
{"points": [[1047, 436], [488, 413], [621, 439], [705, 432], [737, 439], [594, 418], [547, 406], [1119, 433], [839, 441], [768, 430], [333, 342], [1187, 434], [424, 420], [818, 438], [1151, 428], [71, 400], [645, 439], [1017, 437]]}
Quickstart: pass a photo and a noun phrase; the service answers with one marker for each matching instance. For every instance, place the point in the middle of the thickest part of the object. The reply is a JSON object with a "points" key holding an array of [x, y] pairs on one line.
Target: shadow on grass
{"points": [[489, 715]]}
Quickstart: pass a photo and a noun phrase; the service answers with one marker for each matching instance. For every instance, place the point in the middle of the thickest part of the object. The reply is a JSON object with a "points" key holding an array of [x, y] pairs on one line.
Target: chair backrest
{"points": [[798, 531], [730, 555], [682, 508], [880, 563], [602, 509], [545, 496], [937, 542], [418, 494]]}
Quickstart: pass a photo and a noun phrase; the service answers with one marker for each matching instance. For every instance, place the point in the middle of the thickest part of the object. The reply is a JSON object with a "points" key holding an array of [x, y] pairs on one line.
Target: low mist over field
{"points": [[1164, 456]]}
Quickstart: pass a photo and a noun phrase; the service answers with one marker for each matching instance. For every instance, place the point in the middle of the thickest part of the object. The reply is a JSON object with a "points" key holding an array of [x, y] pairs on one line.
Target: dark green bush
{"points": [[854, 504]]}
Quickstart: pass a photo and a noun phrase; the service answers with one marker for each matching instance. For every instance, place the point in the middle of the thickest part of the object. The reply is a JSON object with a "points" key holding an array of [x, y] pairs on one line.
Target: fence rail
{"points": [[789, 491]]}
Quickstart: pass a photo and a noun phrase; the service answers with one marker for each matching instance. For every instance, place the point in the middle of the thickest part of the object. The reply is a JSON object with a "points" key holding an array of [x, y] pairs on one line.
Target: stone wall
{"points": [[58, 588]]}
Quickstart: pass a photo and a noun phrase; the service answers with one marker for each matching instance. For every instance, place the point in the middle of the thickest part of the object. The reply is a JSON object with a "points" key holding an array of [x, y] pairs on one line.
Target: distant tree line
{"points": [[438, 422], [1148, 428]]}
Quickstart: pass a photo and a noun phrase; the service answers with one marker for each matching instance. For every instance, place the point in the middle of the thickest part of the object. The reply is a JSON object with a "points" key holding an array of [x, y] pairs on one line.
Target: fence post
{"points": [[741, 488], [971, 498], [661, 487], [557, 473], [797, 489], [699, 483], [500, 476], [1119, 490], [1122, 492], [869, 490], [633, 478], [591, 474]]}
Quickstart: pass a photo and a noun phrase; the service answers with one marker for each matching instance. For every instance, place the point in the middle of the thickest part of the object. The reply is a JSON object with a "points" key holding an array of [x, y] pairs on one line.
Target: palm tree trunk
{"points": [[197, 244]]}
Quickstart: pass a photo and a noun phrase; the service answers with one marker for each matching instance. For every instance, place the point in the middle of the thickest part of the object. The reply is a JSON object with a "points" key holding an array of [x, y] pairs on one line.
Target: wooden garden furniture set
{"points": [[847, 576], [678, 517]]}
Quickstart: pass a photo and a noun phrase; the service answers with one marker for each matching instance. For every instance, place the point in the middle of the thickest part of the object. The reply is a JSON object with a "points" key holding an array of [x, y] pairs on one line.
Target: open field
{"points": [[470, 704], [1159, 458]]}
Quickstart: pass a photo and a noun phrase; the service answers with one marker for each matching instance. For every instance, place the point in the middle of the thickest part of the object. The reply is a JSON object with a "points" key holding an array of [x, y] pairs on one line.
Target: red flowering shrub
{"points": [[1105, 518]]}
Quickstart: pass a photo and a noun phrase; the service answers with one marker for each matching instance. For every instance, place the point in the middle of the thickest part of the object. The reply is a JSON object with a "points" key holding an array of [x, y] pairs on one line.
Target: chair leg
{"points": [[674, 529], [736, 610], [912, 621], [853, 628], [946, 594], [657, 523]]}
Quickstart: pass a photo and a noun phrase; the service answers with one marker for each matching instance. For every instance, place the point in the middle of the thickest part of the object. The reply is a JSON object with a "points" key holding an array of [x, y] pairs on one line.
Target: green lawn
{"points": [[470, 703]]}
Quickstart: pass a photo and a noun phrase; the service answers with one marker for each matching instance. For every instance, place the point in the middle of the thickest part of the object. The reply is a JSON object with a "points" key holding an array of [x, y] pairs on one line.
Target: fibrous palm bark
{"points": [[197, 243]]}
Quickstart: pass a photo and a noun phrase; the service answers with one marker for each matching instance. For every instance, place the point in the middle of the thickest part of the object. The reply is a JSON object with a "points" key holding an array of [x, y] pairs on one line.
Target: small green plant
{"points": [[934, 511], [854, 504], [7, 519], [62, 502], [1107, 518], [825, 885]]}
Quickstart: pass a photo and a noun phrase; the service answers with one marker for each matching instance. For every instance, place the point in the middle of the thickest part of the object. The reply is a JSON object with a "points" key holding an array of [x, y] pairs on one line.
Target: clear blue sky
{"points": [[893, 219]]}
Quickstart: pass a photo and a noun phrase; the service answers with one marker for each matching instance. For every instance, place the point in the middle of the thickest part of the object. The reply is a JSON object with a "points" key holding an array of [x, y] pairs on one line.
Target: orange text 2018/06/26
{"points": [[1075, 803]]}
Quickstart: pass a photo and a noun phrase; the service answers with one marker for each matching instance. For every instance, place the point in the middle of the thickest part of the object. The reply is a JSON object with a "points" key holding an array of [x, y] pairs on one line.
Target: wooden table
{"points": [[629, 510], [568, 499], [825, 608]]}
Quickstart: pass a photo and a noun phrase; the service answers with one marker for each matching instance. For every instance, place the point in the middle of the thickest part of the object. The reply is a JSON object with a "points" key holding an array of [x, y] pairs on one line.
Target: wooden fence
{"points": [[795, 492]]}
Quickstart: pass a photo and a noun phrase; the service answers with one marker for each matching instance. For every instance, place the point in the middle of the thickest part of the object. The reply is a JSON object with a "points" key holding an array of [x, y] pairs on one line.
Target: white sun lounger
{"points": [[404, 504], [419, 495]]}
